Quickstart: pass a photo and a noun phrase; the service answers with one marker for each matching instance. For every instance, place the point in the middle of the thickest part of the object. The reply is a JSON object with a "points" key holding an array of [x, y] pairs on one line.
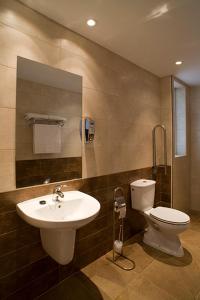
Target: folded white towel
{"points": [[46, 138], [29, 116]]}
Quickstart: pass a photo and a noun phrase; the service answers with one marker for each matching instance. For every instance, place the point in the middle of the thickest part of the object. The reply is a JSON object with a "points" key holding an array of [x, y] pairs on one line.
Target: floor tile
{"points": [[108, 277], [156, 275], [143, 289]]}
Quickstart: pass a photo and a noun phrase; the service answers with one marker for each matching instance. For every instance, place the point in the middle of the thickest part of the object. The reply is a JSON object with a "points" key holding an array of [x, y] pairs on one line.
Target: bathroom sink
{"points": [[59, 220], [76, 209]]}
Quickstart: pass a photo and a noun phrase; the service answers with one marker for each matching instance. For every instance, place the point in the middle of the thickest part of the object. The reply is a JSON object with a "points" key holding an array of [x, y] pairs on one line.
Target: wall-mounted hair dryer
{"points": [[89, 130]]}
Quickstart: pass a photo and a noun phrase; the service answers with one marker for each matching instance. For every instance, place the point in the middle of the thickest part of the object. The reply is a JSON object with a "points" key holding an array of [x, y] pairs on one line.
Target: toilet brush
{"points": [[118, 244]]}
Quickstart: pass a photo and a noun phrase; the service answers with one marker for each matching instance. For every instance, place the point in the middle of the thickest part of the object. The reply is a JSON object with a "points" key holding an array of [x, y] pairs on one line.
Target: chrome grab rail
{"points": [[155, 166]]}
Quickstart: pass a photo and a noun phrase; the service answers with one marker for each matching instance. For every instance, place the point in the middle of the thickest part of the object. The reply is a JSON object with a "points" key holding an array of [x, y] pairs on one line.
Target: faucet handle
{"points": [[59, 187], [63, 186]]}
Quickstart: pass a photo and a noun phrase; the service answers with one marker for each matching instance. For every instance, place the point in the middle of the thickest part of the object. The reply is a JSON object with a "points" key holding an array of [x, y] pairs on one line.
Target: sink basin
{"points": [[76, 209], [58, 221]]}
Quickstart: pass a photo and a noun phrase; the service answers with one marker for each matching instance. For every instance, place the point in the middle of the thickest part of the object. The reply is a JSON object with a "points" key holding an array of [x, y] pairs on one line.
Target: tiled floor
{"points": [[156, 275]]}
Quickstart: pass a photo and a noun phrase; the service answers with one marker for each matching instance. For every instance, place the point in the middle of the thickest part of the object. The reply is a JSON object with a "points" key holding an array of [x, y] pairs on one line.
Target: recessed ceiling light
{"points": [[91, 22], [179, 62]]}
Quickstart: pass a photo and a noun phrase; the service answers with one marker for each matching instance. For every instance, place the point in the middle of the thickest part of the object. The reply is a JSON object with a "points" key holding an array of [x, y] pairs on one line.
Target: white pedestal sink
{"points": [[58, 221]]}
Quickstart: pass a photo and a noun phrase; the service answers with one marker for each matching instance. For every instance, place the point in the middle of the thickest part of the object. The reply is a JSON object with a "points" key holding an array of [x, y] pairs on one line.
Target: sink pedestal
{"points": [[59, 244]]}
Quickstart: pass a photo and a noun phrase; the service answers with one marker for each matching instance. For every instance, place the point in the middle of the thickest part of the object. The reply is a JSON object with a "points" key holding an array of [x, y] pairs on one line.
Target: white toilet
{"points": [[164, 224]]}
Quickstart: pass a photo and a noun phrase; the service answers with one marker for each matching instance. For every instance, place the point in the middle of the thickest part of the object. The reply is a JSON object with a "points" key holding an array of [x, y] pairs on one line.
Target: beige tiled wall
{"points": [[166, 113], [195, 148], [123, 99], [181, 167], [43, 99]]}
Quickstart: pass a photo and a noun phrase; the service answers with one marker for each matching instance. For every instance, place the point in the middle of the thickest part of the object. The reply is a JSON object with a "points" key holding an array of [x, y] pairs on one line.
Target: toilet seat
{"points": [[169, 215]]}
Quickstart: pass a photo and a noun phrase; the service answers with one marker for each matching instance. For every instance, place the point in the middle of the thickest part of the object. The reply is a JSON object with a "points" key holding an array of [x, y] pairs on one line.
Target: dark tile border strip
{"points": [[89, 246], [8, 200]]}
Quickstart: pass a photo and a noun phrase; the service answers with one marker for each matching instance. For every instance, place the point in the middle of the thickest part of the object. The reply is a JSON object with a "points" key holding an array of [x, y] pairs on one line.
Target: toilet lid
{"points": [[169, 215], [143, 183]]}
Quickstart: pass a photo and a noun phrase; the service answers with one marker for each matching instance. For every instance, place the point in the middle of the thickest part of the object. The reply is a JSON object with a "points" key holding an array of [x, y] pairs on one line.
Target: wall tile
{"points": [[7, 170], [166, 113], [14, 240], [114, 88], [195, 147], [100, 105], [30, 22], [125, 102], [21, 254], [23, 257], [7, 128], [86, 48], [36, 171], [15, 43], [95, 75], [10, 221], [26, 277], [7, 87]]}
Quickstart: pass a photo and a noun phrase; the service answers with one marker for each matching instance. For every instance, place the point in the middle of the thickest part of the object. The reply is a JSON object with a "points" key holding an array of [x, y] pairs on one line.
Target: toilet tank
{"points": [[142, 194]]}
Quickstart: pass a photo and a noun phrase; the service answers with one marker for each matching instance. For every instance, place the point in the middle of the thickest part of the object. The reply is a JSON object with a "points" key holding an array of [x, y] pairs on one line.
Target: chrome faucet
{"points": [[57, 192]]}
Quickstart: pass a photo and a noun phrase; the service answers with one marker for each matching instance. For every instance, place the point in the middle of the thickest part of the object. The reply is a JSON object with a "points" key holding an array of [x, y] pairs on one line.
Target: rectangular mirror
{"points": [[48, 124]]}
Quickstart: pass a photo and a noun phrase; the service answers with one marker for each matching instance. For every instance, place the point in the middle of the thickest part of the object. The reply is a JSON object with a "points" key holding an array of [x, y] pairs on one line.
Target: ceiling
{"points": [[153, 34]]}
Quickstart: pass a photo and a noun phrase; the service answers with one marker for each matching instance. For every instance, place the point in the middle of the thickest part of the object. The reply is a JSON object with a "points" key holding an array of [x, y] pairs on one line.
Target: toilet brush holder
{"points": [[119, 208]]}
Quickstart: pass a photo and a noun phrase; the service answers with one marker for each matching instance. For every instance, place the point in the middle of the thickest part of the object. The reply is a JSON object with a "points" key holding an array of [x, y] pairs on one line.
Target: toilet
{"points": [[164, 224]]}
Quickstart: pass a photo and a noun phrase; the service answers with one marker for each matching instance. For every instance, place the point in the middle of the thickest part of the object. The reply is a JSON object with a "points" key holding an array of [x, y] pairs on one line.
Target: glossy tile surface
{"points": [[195, 147], [21, 254], [122, 98], [156, 276]]}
